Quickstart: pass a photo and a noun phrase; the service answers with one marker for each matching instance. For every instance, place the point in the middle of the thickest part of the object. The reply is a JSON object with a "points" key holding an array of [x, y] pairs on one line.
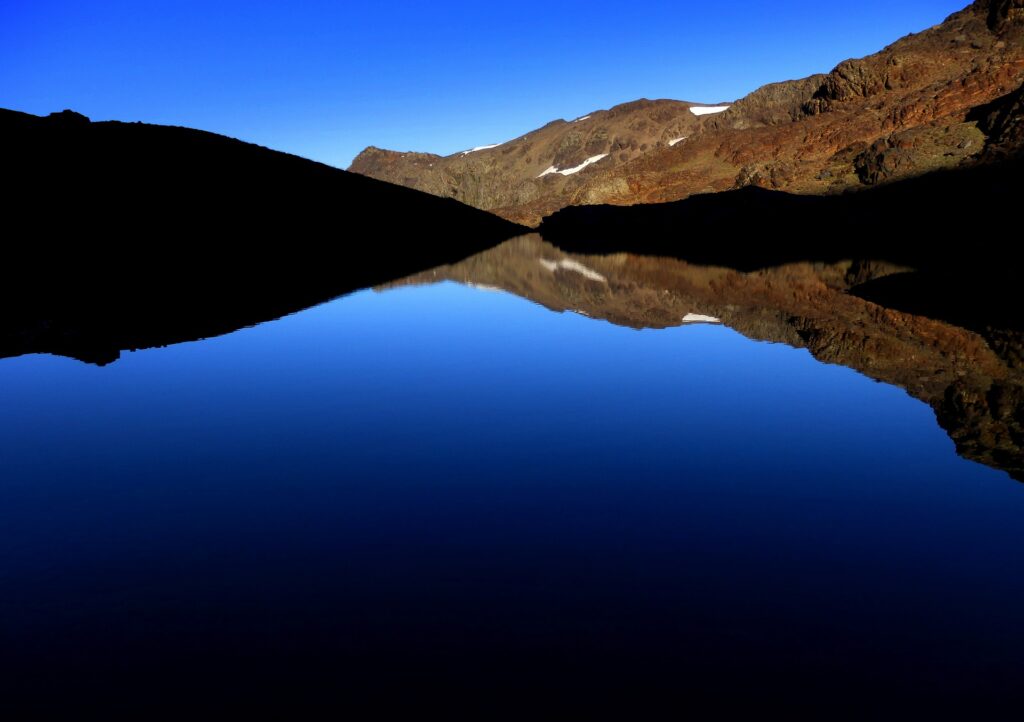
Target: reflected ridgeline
{"points": [[131, 236], [128, 235], [974, 385]]}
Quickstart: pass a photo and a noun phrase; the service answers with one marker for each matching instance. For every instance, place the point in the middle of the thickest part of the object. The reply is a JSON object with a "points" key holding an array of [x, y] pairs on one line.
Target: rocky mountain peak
{"points": [[916, 106], [68, 118]]}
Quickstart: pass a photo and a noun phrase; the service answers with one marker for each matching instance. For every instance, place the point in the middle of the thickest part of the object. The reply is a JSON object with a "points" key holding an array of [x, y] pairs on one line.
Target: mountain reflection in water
{"points": [[441, 491], [972, 379]]}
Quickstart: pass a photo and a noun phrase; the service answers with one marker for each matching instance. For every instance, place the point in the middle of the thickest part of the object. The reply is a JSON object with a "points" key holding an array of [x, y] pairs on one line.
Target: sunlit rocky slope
{"points": [[921, 104]]}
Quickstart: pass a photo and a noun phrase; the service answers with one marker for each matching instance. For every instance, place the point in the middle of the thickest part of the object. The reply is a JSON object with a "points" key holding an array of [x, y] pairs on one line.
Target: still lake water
{"points": [[448, 488]]}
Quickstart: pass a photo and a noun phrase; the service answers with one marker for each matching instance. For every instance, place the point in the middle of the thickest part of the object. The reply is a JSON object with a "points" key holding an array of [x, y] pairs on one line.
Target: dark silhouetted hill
{"points": [[957, 230], [124, 235], [946, 219]]}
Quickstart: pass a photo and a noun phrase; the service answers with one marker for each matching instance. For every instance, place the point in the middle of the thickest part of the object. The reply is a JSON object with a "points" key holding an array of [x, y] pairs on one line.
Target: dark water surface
{"points": [[449, 491]]}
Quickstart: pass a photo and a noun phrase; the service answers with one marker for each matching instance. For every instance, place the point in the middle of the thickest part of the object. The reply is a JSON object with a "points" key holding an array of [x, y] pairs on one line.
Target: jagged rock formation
{"points": [[974, 384], [907, 110]]}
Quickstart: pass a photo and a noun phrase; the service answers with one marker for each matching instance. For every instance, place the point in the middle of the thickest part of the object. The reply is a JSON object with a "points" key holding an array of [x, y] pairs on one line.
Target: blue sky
{"points": [[325, 79]]}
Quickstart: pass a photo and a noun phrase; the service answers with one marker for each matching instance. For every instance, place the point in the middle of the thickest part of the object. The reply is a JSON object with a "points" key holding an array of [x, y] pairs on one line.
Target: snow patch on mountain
{"points": [[576, 169], [708, 110], [480, 147]]}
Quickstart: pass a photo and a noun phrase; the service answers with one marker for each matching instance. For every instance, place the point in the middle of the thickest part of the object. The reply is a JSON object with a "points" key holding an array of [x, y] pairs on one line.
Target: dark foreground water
{"points": [[451, 494]]}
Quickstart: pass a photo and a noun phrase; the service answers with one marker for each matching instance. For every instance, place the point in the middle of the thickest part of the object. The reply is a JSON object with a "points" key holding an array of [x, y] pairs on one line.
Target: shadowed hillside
{"points": [[953, 228], [124, 235]]}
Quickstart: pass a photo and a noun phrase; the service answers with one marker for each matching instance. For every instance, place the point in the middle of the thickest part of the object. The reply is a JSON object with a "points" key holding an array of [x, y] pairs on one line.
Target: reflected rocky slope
{"points": [[966, 364], [973, 380]]}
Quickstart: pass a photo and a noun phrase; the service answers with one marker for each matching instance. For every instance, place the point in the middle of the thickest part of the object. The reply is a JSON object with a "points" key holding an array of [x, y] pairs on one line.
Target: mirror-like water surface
{"points": [[453, 489]]}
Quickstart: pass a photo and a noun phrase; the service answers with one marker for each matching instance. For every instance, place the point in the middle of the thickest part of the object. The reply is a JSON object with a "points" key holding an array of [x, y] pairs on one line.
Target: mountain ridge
{"points": [[901, 112], [125, 235]]}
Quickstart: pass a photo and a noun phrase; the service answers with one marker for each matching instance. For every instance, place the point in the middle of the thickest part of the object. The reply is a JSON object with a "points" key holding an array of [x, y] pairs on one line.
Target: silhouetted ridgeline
{"points": [[120, 234], [956, 229], [946, 219]]}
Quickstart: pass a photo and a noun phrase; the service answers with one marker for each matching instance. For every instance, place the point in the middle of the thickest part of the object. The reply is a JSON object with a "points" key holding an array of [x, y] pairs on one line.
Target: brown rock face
{"points": [[912, 108], [513, 174]]}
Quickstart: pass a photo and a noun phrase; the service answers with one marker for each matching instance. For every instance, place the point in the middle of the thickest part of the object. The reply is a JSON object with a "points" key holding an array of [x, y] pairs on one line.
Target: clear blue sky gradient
{"points": [[325, 79]]}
